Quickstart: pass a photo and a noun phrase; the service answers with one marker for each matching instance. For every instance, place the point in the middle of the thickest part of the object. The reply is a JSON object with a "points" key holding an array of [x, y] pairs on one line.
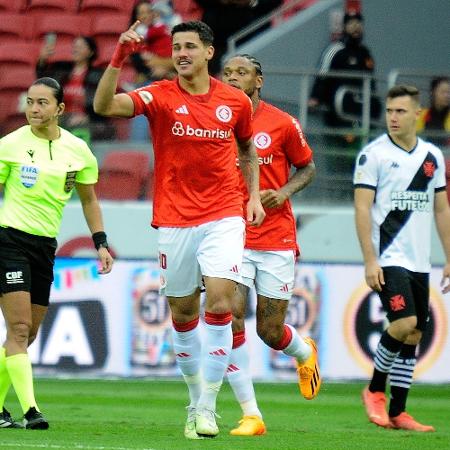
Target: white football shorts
{"points": [[271, 272], [212, 249]]}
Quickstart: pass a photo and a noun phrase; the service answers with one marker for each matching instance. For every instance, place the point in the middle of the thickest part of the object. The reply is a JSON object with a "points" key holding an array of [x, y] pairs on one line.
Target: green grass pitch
{"points": [[148, 414]]}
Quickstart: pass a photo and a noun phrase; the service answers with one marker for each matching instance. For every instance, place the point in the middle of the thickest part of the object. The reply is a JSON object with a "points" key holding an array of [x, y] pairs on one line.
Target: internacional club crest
{"points": [[223, 113], [262, 140]]}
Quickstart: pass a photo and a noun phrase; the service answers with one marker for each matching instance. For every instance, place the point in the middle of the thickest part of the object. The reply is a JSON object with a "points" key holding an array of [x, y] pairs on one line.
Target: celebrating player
{"points": [[270, 250], [399, 183], [40, 164], [197, 206]]}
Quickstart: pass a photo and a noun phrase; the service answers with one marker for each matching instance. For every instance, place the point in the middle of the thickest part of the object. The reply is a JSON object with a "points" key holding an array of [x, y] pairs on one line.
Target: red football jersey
{"points": [[280, 144], [194, 146]]}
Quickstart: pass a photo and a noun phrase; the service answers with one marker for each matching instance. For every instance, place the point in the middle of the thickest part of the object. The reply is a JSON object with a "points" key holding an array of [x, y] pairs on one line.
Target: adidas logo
{"points": [[232, 368], [234, 269], [183, 355], [182, 110], [219, 352], [284, 288]]}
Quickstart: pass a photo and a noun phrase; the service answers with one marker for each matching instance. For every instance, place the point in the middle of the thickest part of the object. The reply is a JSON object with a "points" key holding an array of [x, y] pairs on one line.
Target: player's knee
{"points": [[400, 329], [19, 332], [414, 337]]}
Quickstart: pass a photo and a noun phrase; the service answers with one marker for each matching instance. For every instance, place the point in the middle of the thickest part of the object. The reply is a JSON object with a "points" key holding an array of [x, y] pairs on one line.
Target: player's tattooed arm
{"points": [[273, 198], [248, 163]]}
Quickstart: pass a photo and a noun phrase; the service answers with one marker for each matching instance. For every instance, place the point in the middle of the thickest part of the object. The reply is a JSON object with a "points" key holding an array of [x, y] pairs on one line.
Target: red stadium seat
{"points": [[92, 7], [123, 175], [17, 79], [12, 6], [9, 104], [15, 27], [105, 53], [13, 87], [43, 7], [66, 26], [106, 28], [22, 54], [12, 122]]}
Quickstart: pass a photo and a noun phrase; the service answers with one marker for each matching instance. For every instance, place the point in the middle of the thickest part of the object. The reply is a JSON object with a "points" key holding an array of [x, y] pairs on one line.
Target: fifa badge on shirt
{"points": [[70, 181], [29, 175]]}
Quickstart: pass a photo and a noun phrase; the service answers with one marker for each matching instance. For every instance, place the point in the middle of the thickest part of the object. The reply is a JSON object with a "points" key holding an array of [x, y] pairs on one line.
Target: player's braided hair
{"points": [[253, 60]]}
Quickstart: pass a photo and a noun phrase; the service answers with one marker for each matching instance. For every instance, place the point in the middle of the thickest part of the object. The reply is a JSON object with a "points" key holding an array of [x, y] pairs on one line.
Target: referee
{"points": [[40, 164]]}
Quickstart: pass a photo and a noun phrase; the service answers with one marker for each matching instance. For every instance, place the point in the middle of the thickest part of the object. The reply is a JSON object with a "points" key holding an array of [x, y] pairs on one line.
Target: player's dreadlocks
{"points": [[253, 60]]}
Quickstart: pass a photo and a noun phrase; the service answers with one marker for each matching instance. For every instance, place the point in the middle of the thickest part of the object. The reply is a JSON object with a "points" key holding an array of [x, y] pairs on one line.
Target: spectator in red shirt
{"points": [[79, 79], [153, 60]]}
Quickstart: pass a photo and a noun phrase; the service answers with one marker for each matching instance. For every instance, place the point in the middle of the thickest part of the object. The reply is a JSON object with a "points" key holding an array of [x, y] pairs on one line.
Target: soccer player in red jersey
{"points": [[195, 121], [270, 250]]}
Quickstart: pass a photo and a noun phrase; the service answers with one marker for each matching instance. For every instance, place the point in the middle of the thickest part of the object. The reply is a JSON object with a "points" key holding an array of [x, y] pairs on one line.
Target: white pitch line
{"points": [[72, 447]]}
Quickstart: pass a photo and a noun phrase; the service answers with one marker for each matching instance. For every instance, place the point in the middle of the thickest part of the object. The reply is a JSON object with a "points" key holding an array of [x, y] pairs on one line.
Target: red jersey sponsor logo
{"points": [[261, 160], [300, 132], [429, 168], [178, 129], [397, 302], [262, 140]]}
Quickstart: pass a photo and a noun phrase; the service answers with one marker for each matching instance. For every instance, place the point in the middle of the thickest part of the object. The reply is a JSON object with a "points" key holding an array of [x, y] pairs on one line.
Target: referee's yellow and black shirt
{"points": [[39, 176]]}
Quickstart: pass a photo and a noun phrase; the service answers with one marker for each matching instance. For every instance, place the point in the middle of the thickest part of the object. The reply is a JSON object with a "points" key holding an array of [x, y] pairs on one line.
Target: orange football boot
{"points": [[308, 373], [405, 422], [375, 404]]}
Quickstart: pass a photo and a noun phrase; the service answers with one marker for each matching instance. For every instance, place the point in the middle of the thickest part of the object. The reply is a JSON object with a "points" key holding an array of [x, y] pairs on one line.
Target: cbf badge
{"points": [[29, 175], [70, 181]]}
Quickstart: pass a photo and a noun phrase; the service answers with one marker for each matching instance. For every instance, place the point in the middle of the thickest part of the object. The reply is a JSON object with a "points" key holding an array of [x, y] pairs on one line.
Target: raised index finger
{"points": [[135, 25]]}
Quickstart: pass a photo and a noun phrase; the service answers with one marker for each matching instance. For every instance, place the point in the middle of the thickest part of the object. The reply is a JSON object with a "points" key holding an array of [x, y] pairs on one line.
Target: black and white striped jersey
{"points": [[404, 184]]}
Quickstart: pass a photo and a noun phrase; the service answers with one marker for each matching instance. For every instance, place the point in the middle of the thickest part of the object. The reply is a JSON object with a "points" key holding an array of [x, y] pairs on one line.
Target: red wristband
{"points": [[119, 56], [121, 53]]}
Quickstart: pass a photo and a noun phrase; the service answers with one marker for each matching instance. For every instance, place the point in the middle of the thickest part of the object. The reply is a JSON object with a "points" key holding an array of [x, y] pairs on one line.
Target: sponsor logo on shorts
{"points": [[223, 113], [178, 129], [232, 368], [218, 352], [29, 175], [14, 277]]}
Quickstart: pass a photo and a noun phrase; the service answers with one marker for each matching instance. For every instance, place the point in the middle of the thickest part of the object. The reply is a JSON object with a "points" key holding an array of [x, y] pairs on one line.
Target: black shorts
{"points": [[26, 264], [406, 294]]}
